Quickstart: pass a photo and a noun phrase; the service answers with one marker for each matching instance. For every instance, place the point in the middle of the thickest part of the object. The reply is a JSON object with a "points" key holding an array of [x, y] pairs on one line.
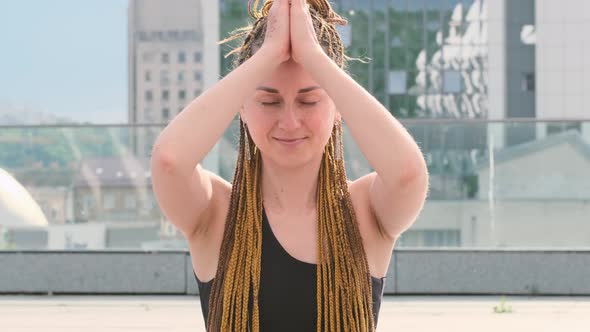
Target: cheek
{"points": [[322, 126], [259, 128]]}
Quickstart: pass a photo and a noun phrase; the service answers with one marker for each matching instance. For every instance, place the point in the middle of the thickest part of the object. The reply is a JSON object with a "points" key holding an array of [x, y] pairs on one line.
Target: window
{"points": [[130, 202], [108, 201], [164, 77], [148, 76], [181, 94], [452, 82], [559, 127], [165, 94], [396, 41], [87, 202], [527, 82], [430, 238], [181, 76], [149, 56], [197, 93], [165, 58], [181, 57], [147, 114], [433, 25], [397, 82], [165, 114], [148, 95], [198, 57], [198, 76]]}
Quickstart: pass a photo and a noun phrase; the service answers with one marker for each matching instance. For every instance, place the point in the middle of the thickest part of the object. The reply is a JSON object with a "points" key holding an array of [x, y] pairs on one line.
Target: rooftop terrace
{"points": [[398, 313]]}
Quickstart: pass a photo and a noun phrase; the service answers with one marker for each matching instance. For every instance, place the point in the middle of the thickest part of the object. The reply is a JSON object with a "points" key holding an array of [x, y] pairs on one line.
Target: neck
{"points": [[291, 191]]}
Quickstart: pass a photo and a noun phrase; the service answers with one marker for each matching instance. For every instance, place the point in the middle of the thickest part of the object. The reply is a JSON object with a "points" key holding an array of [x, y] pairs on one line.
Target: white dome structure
{"points": [[17, 207]]}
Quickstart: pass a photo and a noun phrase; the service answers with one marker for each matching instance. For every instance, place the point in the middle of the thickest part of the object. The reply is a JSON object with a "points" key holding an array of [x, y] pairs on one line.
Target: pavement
{"points": [[114, 313]]}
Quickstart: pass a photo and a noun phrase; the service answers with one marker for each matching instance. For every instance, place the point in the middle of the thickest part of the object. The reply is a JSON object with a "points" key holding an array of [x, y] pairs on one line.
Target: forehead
{"points": [[289, 77]]}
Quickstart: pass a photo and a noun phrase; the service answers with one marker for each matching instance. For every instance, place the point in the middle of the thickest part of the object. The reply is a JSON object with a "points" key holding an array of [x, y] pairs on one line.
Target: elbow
{"points": [[415, 173], [161, 160], [420, 180], [417, 182]]}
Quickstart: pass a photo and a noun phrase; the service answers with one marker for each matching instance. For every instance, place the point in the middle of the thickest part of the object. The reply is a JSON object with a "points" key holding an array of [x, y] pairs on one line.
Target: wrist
{"points": [[313, 57], [272, 60]]}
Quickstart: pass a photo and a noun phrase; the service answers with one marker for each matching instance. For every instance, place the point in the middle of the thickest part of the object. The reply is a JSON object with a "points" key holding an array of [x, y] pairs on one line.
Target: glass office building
{"points": [[428, 59]]}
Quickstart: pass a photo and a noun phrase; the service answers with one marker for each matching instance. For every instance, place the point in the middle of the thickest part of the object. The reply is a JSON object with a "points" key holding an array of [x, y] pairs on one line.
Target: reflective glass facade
{"points": [[428, 58]]}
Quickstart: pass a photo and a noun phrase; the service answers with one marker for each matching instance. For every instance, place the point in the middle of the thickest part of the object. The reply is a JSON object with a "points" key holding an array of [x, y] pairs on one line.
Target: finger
{"points": [[279, 5], [295, 6], [280, 8], [285, 4], [302, 6]]}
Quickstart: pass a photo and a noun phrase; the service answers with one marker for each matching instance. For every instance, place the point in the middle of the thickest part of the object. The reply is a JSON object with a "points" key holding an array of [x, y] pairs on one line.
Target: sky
{"points": [[65, 57]]}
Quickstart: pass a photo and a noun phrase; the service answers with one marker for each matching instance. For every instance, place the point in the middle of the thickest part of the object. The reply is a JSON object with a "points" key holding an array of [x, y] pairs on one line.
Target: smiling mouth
{"points": [[291, 141]]}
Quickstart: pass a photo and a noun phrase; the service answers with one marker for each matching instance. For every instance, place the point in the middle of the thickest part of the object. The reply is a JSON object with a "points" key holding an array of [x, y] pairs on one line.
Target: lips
{"points": [[291, 141]]}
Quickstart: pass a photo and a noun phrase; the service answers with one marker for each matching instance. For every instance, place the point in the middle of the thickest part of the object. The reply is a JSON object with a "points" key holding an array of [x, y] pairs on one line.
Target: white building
{"points": [[555, 168], [563, 62], [173, 58], [540, 198], [539, 66], [563, 58]]}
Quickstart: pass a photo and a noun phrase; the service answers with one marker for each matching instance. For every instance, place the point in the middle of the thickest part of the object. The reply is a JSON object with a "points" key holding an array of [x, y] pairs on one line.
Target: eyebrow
{"points": [[271, 90]]}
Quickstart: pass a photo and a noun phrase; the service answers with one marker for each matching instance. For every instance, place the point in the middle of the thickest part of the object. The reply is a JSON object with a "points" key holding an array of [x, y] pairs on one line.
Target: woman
{"points": [[290, 245]]}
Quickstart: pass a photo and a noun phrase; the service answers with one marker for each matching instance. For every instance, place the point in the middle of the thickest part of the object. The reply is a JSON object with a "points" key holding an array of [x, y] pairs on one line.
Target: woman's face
{"points": [[289, 117]]}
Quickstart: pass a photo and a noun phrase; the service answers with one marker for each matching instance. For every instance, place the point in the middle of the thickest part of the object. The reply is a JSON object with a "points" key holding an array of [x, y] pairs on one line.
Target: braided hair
{"points": [[344, 292]]}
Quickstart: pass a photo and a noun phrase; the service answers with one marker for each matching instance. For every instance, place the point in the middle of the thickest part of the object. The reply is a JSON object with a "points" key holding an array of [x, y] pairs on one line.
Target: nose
{"points": [[290, 118]]}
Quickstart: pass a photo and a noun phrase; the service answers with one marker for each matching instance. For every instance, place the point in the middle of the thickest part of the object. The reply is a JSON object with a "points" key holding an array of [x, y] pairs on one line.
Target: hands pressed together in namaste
{"points": [[290, 32]]}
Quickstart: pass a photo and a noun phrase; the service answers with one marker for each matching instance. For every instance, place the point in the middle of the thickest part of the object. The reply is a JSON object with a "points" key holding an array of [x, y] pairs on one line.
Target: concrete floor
{"points": [[399, 313]]}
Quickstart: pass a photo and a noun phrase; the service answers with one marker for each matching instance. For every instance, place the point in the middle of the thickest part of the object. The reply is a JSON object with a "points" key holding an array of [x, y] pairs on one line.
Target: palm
{"points": [[303, 35], [277, 37]]}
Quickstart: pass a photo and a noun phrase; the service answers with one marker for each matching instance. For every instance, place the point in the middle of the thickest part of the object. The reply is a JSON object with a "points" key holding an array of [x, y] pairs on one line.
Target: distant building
{"points": [[50, 187], [540, 198], [555, 168], [114, 189], [55, 202], [173, 58], [118, 191]]}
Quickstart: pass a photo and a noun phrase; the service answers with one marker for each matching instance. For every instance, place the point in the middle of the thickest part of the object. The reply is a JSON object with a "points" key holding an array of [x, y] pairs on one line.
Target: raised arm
{"points": [[398, 187], [184, 190]]}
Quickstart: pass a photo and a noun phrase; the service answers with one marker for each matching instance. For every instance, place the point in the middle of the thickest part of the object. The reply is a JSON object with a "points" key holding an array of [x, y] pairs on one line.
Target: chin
{"points": [[286, 159]]}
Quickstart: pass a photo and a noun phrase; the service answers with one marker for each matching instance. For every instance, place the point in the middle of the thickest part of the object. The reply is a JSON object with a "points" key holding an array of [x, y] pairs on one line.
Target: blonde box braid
{"points": [[344, 292]]}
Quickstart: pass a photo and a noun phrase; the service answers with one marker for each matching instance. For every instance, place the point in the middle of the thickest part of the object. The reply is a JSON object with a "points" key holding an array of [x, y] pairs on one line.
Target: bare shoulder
{"points": [[205, 244], [378, 248]]}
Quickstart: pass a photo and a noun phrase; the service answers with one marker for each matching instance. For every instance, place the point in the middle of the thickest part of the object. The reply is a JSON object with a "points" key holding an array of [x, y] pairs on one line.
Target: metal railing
{"points": [[493, 184]]}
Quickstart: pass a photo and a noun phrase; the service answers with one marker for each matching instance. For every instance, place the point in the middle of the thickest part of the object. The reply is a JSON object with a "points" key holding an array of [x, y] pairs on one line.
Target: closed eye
{"points": [[270, 104], [277, 103]]}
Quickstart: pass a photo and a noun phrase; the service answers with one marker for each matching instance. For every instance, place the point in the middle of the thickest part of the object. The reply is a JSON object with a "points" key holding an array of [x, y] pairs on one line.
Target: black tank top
{"points": [[288, 289]]}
